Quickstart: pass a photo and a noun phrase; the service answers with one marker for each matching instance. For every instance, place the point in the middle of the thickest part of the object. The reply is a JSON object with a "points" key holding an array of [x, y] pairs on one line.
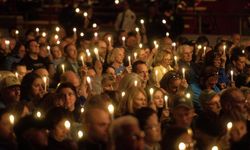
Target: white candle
{"points": [[89, 82], [156, 76], [232, 75], [140, 45], [166, 101], [58, 42], [45, 83], [111, 109], [142, 21], [188, 95], [85, 14], [37, 30], [151, 92], [12, 119], [135, 55], [16, 74], [204, 51], [16, 32], [77, 10], [57, 29], [183, 73], [123, 94], [96, 51], [167, 34], [48, 48], [109, 39], [82, 109], [215, 148], [96, 35], [129, 60], [123, 41], [164, 21], [94, 25], [229, 126], [81, 34], [199, 47], [67, 124], [135, 83], [176, 60], [137, 30], [82, 60], [174, 46], [243, 51], [224, 49], [44, 34], [117, 2], [74, 30], [63, 68], [38, 114]]}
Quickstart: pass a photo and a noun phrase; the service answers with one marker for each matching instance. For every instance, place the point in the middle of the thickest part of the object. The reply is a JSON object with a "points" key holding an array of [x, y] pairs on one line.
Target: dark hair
{"points": [[26, 85], [167, 78], [28, 43], [55, 115], [135, 64], [241, 80], [142, 115], [210, 56], [66, 48], [66, 85], [236, 53], [202, 39]]}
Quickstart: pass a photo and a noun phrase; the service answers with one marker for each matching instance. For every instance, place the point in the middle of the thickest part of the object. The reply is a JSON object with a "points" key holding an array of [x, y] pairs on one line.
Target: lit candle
{"points": [[48, 48], [111, 109], [166, 101], [96, 35], [167, 34], [174, 46], [188, 95], [142, 21], [204, 51], [96, 51], [215, 148], [56, 37], [135, 55], [16, 32], [16, 74], [94, 25], [183, 73], [156, 76], [37, 30], [137, 30], [182, 146], [12, 119], [89, 82], [44, 34], [45, 83], [109, 39], [243, 51], [67, 124], [77, 10], [85, 14], [123, 41], [199, 47], [224, 49], [38, 114], [164, 21], [123, 94], [74, 30], [232, 75], [190, 132], [80, 134], [117, 2], [151, 92], [176, 60], [129, 60], [135, 83], [229, 126], [140, 45], [82, 60], [7, 43], [63, 68], [58, 42], [82, 110], [88, 52], [57, 29], [81, 34]]}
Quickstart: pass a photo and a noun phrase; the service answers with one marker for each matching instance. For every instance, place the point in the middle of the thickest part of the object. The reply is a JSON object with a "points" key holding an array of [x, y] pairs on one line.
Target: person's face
{"points": [[34, 47], [21, 51], [240, 63], [139, 101], [6, 126], [98, 125], [21, 70], [132, 42], [217, 62], [102, 48], [152, 130], [142, 70], [108, 85], [111, 71], [37, 88], [143, 55], [174, 86], [119, 56], [43, 52], [70, 98], [158, 99], [239, 101], [167, 60], [238, 131], [183, 116], [12, 94], [187, 54], [56, 52], [214, 104], [72, 52], [211, 81], [134, 138], [60, 131]]}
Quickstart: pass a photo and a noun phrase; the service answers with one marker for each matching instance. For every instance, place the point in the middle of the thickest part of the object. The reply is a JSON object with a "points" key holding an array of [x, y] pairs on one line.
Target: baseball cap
{"points": [[182, 101], [9, 81], [207, 95]]}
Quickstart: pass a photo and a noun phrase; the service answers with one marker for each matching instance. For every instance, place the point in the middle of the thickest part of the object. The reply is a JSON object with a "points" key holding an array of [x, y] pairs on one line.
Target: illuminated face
{"points": [[34, 47], [167, 60], [37, 88], [187, 53], [238, 131], [72, 52], [183, 116], [139, 101], [214, 104], [240, 63], [56, 52], [70, 98], [120, 56], [6, 126], [142, 70], [60, 131], [158, 99]]}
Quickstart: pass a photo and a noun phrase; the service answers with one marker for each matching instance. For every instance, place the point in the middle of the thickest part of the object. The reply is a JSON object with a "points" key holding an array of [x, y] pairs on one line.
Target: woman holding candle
{"points": [[135, 98]]}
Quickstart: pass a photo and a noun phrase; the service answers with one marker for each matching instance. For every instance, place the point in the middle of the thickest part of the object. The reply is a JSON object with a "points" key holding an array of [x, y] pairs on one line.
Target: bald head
{"points": [[70, 76]]}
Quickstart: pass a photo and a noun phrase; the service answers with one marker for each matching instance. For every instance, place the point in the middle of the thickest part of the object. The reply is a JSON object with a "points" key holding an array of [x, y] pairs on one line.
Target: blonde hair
{"points": [[126, 104], [113, 54], [160, 56], [128, 81]]}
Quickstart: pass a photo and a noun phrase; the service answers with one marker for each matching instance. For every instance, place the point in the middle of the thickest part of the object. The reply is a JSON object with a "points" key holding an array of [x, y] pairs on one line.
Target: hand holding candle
{"points": [[111, 109]]}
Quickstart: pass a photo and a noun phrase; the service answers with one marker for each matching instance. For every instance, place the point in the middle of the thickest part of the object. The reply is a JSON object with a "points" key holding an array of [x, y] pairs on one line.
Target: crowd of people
{"points": [[122, 90]]}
